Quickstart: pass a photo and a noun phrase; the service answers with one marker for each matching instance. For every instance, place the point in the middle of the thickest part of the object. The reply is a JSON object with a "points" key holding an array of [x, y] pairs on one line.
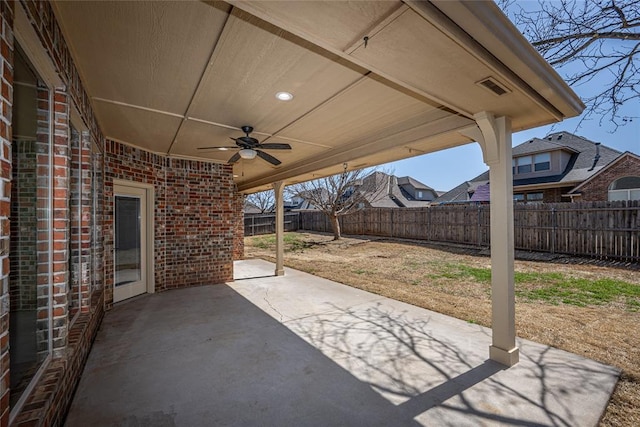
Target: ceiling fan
{"points": [[250, 147]]}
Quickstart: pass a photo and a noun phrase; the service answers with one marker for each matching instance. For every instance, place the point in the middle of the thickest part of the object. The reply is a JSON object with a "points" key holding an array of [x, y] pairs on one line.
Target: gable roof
{"points": [[582, 165], [389, 194], [611, 164], [539, 146], [407, 180], [460, 193], [481, 194], [585, 149]]}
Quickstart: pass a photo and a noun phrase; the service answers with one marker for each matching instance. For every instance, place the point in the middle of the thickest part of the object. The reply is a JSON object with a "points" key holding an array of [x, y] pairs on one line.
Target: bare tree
{"points": [[263, 201], [588, 41], [340, 194]]}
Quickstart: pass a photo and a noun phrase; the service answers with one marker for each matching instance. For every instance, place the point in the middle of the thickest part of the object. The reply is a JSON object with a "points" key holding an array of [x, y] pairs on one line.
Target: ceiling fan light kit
{"points": [[247, 153]]}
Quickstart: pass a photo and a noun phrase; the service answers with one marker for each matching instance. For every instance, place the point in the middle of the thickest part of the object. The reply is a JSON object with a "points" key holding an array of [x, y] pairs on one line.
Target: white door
{"points": [[130, 254]]}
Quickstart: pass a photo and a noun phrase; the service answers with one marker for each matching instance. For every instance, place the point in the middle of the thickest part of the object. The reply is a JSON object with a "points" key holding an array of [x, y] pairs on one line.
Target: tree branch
{"points": [[617, 35]]}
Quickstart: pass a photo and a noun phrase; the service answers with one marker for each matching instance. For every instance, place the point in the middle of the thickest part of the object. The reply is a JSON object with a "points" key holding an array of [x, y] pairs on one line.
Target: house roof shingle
{"points": [[389, 194], [404, 180], [582, 165]]}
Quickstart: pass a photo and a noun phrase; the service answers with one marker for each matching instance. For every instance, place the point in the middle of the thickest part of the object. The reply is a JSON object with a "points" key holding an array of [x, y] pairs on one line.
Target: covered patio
{"points": [[131, 109], [365, 83], [301, 350]]}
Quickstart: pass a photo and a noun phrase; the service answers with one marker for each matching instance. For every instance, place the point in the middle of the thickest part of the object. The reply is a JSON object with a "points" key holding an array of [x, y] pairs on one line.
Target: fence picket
{"points": [[606, 230]]}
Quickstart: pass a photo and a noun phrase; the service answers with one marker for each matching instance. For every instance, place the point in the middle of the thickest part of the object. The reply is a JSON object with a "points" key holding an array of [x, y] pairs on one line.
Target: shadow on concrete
{"points": [[211, 356], [437, 381]]}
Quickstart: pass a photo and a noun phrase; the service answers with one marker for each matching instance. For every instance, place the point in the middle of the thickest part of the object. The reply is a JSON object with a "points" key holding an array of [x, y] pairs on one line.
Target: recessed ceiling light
{"points": [[284, 96], [223, 148]]}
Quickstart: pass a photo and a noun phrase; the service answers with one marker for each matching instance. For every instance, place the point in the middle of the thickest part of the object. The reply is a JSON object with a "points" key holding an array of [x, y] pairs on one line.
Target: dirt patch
{"points": [[454, 280]]}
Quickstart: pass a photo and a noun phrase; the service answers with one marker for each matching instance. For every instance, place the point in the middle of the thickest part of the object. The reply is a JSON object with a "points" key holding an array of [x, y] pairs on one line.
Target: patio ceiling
{"points": [[170, 77]]}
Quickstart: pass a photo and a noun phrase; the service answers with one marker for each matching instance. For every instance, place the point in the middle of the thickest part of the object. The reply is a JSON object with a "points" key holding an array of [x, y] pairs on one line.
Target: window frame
{"points": [[520, 165], [544, 165], [627, 192], [44, 83]]}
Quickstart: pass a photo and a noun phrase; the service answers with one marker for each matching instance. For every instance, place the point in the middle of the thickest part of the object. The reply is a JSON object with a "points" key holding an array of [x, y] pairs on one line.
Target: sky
{"points": [[447, 169]]}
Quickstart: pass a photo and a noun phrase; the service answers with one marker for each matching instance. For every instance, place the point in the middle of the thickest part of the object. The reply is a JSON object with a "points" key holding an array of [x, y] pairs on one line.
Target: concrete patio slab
{"points": [[304, 351]]}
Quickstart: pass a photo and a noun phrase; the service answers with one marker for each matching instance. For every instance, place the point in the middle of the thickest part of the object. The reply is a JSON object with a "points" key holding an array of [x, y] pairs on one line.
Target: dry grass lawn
{"points": [[586, 309]]}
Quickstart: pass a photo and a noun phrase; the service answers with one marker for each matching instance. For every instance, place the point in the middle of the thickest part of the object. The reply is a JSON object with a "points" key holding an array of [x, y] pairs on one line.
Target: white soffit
{"points": [[149, 130], [489, 27], [147, 53], [364, 112], [252, 62]]}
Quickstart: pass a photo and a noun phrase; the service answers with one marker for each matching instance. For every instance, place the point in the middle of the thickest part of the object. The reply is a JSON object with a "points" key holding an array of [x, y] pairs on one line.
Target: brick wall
{"points": [[81, 206], [193, 216], [549, 195], [61, 153], [6, 103], [44, 22], [554, 195], [199, 224], [238, 226], [48, 402], [598, 188]]}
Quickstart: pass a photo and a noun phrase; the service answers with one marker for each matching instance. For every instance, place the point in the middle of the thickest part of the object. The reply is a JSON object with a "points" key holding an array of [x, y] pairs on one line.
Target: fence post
{"points": [[554, 230], [391, 223], [253, 225], [479, 234]]}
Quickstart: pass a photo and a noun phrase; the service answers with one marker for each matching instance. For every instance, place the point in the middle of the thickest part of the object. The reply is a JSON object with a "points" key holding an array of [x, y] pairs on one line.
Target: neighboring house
{"points": [[392, 192], [619, 180], [380, 190], [301, 203], [561, 167], [297, 203], [251, 209]]}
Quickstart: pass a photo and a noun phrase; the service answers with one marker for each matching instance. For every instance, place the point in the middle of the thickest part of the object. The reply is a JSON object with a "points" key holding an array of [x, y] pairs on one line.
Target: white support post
{"points": [[278, 188], [494, 136]]}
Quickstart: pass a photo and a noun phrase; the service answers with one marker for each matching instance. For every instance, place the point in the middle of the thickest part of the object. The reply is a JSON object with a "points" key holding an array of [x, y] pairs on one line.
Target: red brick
{"points": [[598, 188]]}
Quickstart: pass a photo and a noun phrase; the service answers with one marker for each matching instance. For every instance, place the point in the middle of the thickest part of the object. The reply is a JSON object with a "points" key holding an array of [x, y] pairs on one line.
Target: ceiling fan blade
{"points": [[219, 148], [268, 157], [234, 158], [247, 141], [274, 146]]}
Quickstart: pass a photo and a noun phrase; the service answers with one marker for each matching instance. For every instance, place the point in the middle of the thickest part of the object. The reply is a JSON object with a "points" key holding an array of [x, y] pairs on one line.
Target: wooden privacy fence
{"points": [[266, 223], [606, 230]]}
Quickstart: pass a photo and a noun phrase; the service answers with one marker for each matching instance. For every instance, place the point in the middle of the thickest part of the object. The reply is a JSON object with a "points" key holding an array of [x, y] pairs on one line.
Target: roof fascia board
{"points": [[559, 148], [545, 186]]}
